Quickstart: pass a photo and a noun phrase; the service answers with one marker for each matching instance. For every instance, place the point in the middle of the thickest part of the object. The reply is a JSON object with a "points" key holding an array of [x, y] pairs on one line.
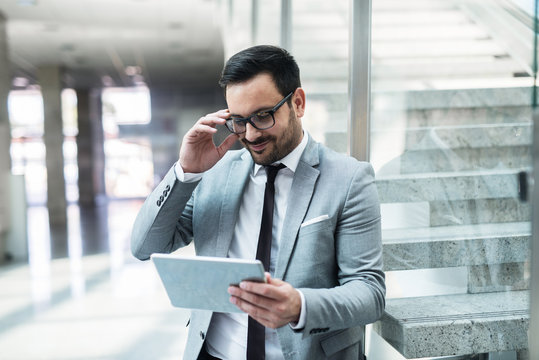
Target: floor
{"points": [[81, 295]]}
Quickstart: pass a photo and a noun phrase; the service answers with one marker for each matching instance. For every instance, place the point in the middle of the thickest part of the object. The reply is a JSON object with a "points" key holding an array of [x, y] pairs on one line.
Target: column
{"points": [[90, 148], [165, 104], [5, 137], [50, 80]]}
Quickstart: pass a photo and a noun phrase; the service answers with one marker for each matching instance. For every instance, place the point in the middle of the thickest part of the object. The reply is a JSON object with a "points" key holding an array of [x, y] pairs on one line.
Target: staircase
{"points": [[451, 129]]}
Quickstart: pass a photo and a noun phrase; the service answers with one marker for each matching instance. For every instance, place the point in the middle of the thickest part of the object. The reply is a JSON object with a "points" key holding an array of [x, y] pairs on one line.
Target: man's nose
{"points": [[251, 133]]}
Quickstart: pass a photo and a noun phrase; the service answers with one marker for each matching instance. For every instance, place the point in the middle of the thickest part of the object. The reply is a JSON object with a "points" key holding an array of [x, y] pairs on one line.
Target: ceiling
{"points": [[162, 43]]}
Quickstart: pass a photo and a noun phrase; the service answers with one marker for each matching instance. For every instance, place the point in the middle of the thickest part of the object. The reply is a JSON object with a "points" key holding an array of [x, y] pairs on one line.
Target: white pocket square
{"points": [[315, 220]]}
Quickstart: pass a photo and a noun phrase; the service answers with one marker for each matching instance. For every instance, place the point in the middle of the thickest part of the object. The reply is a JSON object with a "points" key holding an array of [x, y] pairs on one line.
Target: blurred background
{"points": [[438, 95]]}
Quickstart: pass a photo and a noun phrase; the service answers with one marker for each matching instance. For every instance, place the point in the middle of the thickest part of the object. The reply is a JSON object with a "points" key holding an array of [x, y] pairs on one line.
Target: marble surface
{"points": [[457, 98], [484, 184], [385, 117], [463, 324], [499, 277], [451, 246], [481, 211]]}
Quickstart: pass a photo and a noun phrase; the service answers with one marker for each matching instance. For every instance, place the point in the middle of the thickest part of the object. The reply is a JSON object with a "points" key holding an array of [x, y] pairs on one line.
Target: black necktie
{"points": [[256, 337]]}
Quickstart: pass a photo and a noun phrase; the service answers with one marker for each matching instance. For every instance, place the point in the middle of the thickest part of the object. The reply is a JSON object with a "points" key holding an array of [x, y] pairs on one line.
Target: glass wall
{"points": [[450, 131]]}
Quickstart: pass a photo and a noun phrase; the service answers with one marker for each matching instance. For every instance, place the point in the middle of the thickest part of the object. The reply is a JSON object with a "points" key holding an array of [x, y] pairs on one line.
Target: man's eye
{"points": [[263, 114]]}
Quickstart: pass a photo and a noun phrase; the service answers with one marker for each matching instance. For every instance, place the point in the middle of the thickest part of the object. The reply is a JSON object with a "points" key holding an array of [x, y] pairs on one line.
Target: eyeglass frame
{"points": [[246, 120]]}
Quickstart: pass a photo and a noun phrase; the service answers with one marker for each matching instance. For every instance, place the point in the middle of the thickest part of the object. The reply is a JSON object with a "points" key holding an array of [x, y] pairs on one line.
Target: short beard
{"points": [[285, 145]]}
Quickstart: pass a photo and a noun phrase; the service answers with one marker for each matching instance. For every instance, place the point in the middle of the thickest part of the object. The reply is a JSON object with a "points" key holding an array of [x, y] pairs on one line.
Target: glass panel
{"points": [[129, 172], [450, 131], [27, 146], [268, 22], [320, 46], [534, 304]]}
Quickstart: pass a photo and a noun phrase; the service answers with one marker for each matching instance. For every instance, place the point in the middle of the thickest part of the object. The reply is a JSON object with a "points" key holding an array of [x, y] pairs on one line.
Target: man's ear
{"points": [[298, 102]]}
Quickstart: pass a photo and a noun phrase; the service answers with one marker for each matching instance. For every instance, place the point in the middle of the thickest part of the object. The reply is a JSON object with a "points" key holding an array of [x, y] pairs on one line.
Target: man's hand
{"points": [[198, 153], [273, 304]]}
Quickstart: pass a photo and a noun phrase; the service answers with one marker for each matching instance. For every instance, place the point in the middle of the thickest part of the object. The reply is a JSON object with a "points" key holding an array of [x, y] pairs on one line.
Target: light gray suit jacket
{"points": [[336, 262]]}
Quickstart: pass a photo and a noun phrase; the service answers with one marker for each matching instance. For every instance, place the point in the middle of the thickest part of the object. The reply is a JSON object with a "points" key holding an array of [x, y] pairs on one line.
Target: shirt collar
{"points": [[291, 160]]}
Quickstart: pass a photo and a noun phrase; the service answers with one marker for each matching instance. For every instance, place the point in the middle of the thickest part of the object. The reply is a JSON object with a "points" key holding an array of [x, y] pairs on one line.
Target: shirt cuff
{"points": [[301, 322], [186, 177]]}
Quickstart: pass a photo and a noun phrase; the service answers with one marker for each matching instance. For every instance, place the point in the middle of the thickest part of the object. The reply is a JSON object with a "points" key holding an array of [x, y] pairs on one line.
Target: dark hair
{"points": [[259, 59]]}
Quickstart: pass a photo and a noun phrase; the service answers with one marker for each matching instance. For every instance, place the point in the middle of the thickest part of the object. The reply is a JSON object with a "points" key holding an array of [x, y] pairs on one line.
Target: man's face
{"points": [[260, 93]]}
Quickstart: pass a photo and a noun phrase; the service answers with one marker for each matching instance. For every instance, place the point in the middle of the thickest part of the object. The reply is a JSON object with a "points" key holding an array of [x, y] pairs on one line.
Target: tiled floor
{"points": [[98, 302]]}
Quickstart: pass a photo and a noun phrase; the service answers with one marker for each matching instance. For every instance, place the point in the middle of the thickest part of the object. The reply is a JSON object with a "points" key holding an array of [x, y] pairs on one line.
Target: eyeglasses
{"points": [[261, 120]]}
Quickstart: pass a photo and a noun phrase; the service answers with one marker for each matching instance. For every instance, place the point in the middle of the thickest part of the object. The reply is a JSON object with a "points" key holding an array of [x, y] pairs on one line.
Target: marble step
{"points": [[456, 84], [453, 98], [335, 106], [462, 159], [412, 49], [452, 246], [477, 67], [451, 106], [483, 211], [392, 33], [411, 5], [459, 136], [456, 324], [416, 118], [448, 186]]}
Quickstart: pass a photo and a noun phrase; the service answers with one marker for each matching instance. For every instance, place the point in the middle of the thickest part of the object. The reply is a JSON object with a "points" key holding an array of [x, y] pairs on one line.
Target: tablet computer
{"points": [[201, 282]]}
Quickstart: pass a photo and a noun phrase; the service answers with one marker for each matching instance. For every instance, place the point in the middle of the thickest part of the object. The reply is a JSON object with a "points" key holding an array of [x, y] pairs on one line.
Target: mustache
{"points": [[258, 141]]}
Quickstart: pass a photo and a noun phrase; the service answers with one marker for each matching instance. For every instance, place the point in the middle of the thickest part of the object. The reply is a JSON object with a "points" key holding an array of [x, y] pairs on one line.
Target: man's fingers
{"points": [[198, 132], [252, 298], [270, 290], [259, 314], [213, 119]]}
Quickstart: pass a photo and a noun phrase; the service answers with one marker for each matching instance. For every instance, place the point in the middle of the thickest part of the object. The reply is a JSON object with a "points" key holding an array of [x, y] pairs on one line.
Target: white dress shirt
{"points": [[227, 334]]}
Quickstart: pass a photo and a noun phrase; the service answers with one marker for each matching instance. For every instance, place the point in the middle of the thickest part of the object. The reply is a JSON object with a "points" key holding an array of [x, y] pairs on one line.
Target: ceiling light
{"points": [[132, 70], [20, 82]]}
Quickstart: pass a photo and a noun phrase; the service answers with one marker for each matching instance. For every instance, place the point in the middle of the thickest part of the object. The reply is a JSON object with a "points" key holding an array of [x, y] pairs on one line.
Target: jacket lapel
{"points": [[298, 202], [237, 177]]}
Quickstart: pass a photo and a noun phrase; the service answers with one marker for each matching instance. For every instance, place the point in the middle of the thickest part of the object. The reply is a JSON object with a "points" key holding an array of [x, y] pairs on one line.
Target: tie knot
{"points": [[271, 172]]}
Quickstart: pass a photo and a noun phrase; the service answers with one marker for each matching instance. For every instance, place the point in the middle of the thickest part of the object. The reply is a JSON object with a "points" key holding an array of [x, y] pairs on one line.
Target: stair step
{"points": [[461, 136], [381, 119], [451, 246], [338, 69], [446, 107], [392, 33], [463, 159], [465, 185], [453, 98], [411, 5], [428, 32], [435, 325], [419, 17], [460, 68], [466, 212], [435, 49]]}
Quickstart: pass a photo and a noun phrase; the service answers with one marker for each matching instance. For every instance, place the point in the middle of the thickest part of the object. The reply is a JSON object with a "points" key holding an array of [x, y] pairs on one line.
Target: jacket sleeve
{"points": [[164, 223]]}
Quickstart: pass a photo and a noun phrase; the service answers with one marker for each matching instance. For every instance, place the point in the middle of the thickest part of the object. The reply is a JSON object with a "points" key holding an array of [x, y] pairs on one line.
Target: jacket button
{"points": [[159, 202], [161, 198], [167, 188], [202, 336]]}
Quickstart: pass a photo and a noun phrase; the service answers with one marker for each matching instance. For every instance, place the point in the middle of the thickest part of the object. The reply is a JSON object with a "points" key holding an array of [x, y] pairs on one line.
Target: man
{"points": [[325, 278]]}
